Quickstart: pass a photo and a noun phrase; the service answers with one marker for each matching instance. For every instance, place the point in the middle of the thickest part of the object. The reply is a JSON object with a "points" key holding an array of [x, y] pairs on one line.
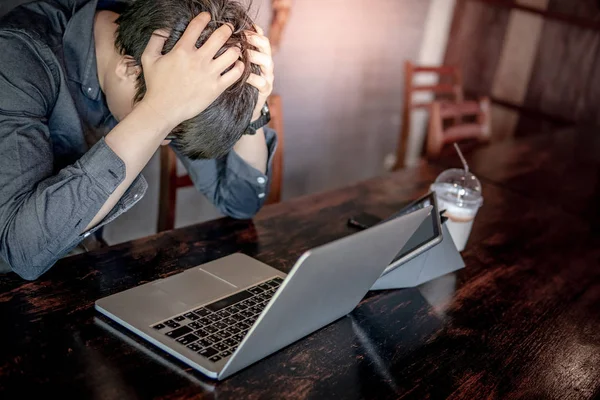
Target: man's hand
{"points": [[181, 84], [184, 82], [264, 59]]}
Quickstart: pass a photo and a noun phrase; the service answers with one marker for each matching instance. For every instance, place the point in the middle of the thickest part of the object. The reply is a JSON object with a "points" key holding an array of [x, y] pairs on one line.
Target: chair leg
{"points": [[484, 118], [406, 110], [277, 167], [435, 139], [168, 189], [402, 141]]}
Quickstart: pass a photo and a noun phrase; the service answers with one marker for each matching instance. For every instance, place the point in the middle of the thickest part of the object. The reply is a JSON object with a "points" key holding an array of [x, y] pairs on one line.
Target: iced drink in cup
{"points": [[459, 193]]}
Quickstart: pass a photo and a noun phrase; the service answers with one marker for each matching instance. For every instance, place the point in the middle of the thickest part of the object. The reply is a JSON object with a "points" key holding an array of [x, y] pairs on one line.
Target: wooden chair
{"points": [[450, 85], [471, 121], [280, 15], [170, 182], [277, 168]]}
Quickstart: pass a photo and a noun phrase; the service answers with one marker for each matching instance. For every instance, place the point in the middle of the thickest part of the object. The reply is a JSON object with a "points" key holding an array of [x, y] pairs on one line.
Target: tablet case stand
{"points": [[435, 262]]}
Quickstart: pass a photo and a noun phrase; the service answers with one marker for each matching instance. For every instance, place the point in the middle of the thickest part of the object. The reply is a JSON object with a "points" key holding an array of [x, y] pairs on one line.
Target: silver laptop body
{"points": [[255, 310]]}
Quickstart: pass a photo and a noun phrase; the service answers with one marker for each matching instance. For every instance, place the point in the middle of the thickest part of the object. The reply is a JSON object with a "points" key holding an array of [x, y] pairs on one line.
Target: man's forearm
{"points": [[134, 140], [253, 150]]}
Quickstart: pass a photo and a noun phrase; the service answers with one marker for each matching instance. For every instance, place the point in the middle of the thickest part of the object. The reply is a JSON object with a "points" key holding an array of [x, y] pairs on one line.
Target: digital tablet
{"points": [[425, 237]]}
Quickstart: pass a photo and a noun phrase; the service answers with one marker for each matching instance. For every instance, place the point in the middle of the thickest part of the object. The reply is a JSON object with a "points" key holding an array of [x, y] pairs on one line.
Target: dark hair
{"points": [[214, 131]]}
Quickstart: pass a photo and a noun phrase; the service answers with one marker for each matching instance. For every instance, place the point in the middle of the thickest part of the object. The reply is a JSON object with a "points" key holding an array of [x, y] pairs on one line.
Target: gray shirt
{"points": [[56, 171]]}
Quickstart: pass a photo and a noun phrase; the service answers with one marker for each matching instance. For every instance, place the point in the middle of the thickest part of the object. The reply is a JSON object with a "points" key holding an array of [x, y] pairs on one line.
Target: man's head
{"points": [[213, 132]]}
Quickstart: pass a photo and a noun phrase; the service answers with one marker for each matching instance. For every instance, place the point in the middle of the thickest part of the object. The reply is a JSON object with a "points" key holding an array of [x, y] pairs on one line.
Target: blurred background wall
{"points": [[340, 75]]}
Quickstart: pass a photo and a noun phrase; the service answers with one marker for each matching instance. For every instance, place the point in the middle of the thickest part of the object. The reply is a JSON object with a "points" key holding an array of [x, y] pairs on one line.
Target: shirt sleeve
{"points": [[43, 212], [236, 188]]}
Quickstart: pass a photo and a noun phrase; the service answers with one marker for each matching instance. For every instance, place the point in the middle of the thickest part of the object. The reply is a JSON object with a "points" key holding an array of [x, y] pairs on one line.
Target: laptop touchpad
{"points": [[195, 287]]}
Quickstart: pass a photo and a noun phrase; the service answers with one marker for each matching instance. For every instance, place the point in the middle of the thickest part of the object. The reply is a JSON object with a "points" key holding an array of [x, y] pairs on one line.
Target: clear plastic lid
{"points": [[458, 187]]}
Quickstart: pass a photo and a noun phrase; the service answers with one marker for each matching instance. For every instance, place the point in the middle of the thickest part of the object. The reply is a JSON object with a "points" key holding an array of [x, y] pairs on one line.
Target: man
{"points": [[87, 97]]}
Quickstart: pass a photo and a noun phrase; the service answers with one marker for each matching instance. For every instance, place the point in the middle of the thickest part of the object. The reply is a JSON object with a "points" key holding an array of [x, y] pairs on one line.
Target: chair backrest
{"points": [[449, 83], [471, 121], [170, 181]]}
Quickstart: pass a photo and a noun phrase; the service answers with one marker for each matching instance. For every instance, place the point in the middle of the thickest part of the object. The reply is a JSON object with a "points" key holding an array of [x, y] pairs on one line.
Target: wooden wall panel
{"points": [[566, 62], [516, 62], [529, 124], [564, 82], [587, 9], [476, 41], [591, 97]]}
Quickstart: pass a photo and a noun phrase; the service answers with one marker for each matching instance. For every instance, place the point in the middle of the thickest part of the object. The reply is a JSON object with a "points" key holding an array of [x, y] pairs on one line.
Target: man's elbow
{"points": [[28, 274], [240, 209], [238, 214], [23, 247], [24, 263]]}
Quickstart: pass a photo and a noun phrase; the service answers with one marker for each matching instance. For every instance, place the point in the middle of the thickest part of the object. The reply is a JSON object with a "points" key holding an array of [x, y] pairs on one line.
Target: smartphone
{"points": [[363, 221]]}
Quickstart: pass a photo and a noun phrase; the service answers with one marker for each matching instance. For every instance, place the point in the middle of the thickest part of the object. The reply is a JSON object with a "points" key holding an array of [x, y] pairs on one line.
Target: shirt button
{"points": [[260, 196], [86, 234], [135, 196], [261, 180], [89, 90]]}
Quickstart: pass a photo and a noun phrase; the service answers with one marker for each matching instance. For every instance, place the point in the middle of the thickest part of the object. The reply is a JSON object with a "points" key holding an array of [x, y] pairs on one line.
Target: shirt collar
{"points": [[80, 48]]}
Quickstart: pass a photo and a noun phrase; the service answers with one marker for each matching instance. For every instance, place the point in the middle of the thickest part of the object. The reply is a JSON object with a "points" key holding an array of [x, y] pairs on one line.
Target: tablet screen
{"points": [[426, 232]]}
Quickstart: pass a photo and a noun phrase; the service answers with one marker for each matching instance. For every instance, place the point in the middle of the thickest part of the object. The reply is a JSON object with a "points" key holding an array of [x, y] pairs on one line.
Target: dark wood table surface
{"points": [[522, 320]]}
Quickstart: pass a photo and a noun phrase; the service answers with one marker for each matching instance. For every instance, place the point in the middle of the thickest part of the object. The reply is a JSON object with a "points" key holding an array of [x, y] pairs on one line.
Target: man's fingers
{"points": [[218, 38], [154, 48], [233, 75], [264, 61], [260, 30], [193, 31], [258, 82], [262, 43], [225, 60]]}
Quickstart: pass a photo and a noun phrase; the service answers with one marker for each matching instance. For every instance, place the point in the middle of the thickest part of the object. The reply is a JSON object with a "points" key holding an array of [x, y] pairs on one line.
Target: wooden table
{"points": [[522, 320]]}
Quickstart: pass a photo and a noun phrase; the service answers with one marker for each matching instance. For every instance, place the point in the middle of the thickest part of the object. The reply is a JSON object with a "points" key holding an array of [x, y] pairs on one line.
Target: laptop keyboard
{"points": [[215, 330]]}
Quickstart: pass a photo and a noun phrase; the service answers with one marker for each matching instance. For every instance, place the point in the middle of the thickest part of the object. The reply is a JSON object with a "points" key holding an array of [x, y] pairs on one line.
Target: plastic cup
{"points": [[459, 193]]}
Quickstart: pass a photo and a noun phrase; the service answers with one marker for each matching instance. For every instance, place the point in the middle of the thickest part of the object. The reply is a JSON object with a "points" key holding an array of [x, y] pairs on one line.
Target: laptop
{"points": [[225, 315]]}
